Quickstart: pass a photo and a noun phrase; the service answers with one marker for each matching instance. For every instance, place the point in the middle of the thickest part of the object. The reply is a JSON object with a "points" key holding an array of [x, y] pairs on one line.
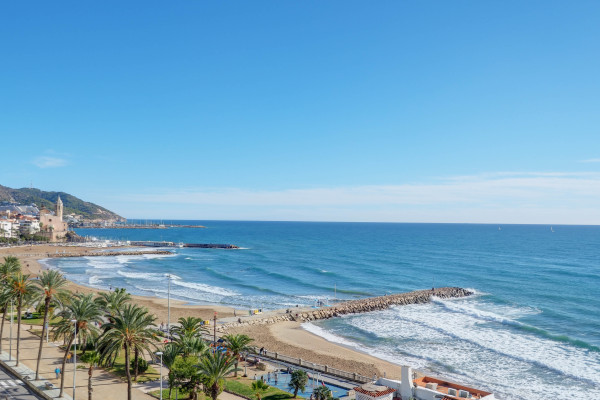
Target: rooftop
{"points": [[370, 389], [452, 390]]}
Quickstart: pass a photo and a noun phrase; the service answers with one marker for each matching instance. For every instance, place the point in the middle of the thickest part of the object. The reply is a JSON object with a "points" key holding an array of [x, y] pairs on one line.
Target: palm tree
{"points": [[190, 326], [322, 393], [188, 346], [50, 287], [8, 268], [259, 387], [298, 381], [215, 367], [236, 345], [86, 313], [131, 328], [21, 288], [93, 359], [113, 301]]}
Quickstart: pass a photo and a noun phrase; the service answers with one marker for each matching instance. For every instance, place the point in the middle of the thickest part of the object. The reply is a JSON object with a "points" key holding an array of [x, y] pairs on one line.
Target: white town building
{"points": [[427, 388]]}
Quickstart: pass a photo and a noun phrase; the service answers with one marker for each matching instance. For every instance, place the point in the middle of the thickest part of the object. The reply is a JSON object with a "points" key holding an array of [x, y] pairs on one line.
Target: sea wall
{"points": [[353, 307]]}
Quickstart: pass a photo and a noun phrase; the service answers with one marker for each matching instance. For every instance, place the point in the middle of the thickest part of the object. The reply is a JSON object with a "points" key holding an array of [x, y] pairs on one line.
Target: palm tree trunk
{"points": [[214, 391], [2, 325], [135, 363], [90, 390], [39, 358], [19, 305], [237, 360], [128, 372], [64, 363]]}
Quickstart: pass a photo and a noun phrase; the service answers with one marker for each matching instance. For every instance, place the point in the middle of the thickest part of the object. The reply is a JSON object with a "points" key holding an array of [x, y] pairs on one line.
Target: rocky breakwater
{"points": [[109, 253], [353, 307]]}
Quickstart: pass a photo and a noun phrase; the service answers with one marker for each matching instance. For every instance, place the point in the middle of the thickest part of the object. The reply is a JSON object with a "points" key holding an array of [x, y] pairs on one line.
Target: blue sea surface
{"points": [[531, 332]]}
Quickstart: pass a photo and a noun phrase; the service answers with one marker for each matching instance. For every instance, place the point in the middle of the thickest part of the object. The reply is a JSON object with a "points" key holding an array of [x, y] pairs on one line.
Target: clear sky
{"points": [[431, 111]]}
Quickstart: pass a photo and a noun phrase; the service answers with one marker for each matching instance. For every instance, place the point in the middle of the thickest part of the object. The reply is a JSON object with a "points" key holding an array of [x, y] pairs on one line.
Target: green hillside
{"points": [[72, 204]]}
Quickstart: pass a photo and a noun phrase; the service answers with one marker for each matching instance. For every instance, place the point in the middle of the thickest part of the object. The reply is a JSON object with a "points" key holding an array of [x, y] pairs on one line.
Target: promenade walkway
{"points": [[106, 385]]}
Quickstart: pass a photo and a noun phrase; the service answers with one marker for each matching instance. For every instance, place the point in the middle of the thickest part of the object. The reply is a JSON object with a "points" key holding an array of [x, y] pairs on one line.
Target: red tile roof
{"points": [[376, 393]]}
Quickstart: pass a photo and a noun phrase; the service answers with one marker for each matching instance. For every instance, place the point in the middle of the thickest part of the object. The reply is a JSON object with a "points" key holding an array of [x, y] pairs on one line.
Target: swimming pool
{"points": [[283, 379]]}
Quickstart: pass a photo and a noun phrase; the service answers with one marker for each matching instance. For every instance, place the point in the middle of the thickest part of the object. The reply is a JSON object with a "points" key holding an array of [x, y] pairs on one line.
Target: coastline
{"points": [[291, 339], [30, 257], [288, 337]]}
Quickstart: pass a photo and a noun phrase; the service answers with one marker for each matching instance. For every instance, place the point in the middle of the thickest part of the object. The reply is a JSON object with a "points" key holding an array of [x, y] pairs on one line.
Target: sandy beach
{"points": [[286, 338]]}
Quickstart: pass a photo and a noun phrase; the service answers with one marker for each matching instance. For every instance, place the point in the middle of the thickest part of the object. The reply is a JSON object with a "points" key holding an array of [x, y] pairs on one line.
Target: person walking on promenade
{"points": [[57, 372]]}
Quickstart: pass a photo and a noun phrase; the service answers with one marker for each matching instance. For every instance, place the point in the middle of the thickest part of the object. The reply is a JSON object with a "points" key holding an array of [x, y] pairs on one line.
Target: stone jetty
{"points": [[109, 253], [353, 307]]}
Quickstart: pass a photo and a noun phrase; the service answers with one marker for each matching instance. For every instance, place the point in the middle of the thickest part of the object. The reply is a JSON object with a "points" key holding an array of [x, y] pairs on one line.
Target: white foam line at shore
{"points": [[333, 338]]}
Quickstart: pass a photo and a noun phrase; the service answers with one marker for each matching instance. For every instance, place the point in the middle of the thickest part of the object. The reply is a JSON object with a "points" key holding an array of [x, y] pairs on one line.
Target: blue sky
{"points": [[431, 111]]}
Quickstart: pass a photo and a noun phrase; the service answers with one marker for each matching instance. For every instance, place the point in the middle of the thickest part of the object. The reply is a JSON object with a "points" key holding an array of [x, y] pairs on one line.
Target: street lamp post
{"points": [[160, 353], [169, 308], [74, 321]]}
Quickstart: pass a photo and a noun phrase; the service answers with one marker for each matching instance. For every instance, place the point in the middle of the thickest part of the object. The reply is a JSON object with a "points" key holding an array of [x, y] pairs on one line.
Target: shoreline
{"points": [[30, 257], [285, 337]]}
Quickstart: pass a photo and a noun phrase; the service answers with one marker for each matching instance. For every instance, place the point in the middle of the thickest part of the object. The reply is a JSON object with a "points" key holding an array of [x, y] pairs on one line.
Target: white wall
{"points": [[425, 394], [389, 383]]}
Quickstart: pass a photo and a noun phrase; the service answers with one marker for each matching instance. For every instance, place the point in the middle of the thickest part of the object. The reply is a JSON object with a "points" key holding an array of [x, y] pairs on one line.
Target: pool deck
{"points": [[329, 380]]}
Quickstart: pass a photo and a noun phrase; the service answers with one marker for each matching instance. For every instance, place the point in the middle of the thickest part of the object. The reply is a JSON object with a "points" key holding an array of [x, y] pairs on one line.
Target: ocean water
{"points": [[532, 331]]}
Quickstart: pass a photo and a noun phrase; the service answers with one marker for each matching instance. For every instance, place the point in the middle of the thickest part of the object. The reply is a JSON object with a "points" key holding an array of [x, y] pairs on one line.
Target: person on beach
{"points": [[57, 372]]}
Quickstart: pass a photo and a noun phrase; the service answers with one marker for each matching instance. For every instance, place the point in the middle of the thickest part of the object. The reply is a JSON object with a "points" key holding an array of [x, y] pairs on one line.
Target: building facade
{"points": [[52, 226]]}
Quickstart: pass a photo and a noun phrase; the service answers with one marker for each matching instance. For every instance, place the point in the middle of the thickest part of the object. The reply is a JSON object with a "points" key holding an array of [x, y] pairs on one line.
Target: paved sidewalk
{"points": [[105, 385]]}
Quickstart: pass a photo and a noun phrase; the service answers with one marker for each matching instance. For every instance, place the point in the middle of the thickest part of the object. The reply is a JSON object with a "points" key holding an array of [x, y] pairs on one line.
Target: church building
{"points": [[52, 225]]}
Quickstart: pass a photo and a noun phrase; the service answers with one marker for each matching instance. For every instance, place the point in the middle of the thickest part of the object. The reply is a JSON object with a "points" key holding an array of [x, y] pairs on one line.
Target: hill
{"points": [[72, 204]]}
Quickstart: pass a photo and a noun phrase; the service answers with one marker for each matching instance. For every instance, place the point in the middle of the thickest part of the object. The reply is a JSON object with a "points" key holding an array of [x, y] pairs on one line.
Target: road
{"points": [[12, 388]]}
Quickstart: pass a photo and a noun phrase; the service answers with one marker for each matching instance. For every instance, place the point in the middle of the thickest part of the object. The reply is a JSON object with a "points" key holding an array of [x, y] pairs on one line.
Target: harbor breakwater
{"points": [[109, 253], [352, 307]]}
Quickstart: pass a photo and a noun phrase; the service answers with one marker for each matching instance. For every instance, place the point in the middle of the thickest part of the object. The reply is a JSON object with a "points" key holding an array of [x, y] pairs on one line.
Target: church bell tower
{"points": [[59, 209]]}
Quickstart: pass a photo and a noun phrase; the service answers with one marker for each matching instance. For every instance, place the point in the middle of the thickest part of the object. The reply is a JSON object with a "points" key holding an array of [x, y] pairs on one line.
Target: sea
{"points": [[531, 331]]}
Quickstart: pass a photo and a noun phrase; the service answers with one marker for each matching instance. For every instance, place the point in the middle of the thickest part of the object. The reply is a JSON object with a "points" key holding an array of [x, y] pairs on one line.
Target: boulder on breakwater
{"points": [[355, 306]]}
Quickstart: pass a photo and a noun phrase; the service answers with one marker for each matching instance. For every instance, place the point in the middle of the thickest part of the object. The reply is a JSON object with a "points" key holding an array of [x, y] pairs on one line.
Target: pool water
{"points": [[283, 379]]}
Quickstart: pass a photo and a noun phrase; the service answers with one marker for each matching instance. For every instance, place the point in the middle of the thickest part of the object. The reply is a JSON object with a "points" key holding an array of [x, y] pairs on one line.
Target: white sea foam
{"points": [[206, 288], [479, 343], [153, 256], [317, 330], [183, 293], [94, 280], [149, 276]]}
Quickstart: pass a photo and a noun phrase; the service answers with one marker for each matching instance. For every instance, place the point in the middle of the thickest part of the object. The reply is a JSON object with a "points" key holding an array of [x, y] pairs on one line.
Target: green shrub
{"points": [[142, 365]]}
